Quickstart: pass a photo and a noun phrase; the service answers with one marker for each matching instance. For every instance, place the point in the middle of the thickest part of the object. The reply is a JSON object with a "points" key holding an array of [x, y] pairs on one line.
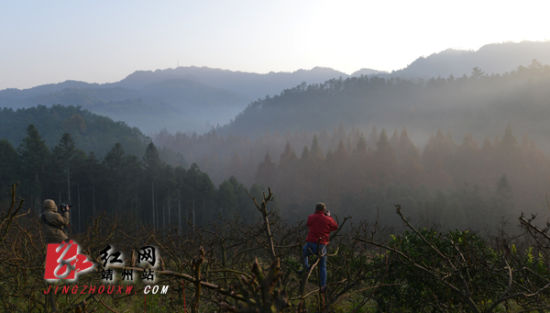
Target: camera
{"points": [[64, 207]]}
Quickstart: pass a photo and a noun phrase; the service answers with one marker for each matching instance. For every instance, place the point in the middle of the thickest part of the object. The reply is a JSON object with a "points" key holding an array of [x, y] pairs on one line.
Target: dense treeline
{"points": [[469, 174], [448, 183], [145, 189], [480, 103], [91, 132]]}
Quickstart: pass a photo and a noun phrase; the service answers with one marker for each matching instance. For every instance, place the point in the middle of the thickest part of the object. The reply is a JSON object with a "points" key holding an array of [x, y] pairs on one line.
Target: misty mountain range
{"points": [[182, 99], [196, 99], [479, 104], [491, 59]]}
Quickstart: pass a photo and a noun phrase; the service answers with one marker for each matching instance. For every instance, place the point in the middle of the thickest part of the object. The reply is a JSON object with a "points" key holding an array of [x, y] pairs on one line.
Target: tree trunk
{"points": [[68, 185], [93, 201], [78, 205], [179, 217], [193, 217], [153, 203]]}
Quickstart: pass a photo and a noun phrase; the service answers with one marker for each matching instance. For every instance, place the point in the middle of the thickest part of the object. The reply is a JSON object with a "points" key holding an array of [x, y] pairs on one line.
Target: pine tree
{"points": [[315, 152], [288, 156], [34, 156], [114, 158], [266, 171], [151, 160], [65, 155], [9, 165]]}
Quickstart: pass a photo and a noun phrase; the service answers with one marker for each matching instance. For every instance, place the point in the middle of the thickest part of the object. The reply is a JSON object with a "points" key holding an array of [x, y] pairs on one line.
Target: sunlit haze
{"points": [[102, 41]]}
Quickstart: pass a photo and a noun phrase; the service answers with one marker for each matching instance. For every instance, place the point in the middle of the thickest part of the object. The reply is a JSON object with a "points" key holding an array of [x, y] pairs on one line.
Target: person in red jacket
{"points": [[320, 224]]}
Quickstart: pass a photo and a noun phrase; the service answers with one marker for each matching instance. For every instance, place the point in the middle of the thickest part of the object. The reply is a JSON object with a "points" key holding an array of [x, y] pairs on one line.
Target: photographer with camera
{"points": [[55, 221], [320, 224]]}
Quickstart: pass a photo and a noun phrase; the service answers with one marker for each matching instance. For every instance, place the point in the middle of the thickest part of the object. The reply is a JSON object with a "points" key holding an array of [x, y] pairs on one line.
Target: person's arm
{"points": [[57, 219], [332, 224]]}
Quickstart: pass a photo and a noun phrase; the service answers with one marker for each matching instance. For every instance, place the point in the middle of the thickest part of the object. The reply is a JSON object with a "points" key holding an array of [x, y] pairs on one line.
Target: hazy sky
{"points": [[101, 41]]}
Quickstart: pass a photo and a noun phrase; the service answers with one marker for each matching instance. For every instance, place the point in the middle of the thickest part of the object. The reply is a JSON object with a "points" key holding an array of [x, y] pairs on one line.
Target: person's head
{"points": [[321, 207], [49, 205]]}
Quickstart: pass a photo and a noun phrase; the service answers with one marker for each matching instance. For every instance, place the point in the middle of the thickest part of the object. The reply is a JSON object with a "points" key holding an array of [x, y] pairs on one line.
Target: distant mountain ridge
{"points": [[478, 104], [197, 99], [249, 85], [181, 99], [495, 58], [368, 72]]}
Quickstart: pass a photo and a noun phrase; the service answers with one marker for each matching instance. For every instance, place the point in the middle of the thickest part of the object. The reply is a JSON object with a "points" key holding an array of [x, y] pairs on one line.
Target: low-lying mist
{"points": [[481, 184]]}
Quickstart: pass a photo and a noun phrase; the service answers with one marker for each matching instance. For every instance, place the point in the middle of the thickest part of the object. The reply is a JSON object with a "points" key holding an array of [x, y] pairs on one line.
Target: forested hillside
{"points": [[496, 58], [197, 99], [480, 104], [473, 182], [90, 132], [460, 152], [142, 189]]}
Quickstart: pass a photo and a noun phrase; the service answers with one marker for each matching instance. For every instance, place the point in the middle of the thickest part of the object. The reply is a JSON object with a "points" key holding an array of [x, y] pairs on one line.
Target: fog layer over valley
{"points": [[480, 104], [307, 156], [466, 183], [197, 99], [182, 99], [467, 151], [459, 151]]}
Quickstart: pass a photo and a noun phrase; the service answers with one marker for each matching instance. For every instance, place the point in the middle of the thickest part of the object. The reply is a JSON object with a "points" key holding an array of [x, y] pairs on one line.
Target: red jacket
{"points": [[320, 227]]}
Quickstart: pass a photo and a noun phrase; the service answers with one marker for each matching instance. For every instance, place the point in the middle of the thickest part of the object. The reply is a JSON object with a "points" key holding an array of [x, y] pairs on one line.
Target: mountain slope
{"points": [[91, 132], [491, 59], [181, 99], [368, 72], [197, 99], [482, 105], [249, 85]]}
